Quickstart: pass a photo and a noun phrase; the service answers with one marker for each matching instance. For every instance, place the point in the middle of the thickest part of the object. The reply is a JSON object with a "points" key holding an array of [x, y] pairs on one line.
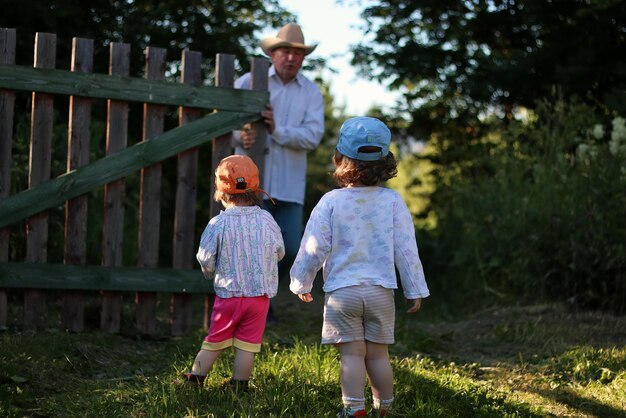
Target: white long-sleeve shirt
{"points": [[240, 249], [299, 119], [359, 236]]}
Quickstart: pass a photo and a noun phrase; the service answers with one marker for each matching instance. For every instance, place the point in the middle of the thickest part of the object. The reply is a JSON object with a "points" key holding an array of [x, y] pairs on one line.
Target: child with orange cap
{"points": [[239, 250]]}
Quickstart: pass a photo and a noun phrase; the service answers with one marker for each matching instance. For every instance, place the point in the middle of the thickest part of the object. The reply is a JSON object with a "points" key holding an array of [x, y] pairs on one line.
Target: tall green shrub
{"points": [[546, 218]]}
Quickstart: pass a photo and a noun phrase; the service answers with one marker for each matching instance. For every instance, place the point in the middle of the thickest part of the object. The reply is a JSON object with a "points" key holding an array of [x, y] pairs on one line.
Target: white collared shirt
{"points": [[299, 117]]}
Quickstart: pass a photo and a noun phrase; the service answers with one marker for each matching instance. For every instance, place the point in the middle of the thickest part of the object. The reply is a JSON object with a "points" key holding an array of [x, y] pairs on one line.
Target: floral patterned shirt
{"points": [[358, 236], [240, 249]]}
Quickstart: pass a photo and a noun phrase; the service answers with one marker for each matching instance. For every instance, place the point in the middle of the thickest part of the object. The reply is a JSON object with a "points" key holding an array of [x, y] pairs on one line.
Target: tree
{"points": [[208, 26], [458, 60]]}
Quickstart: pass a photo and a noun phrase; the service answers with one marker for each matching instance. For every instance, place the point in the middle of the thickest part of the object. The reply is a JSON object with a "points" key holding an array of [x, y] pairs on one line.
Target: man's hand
{"points": [[306, 297], [268, 118], [417, 304], [248, 136], [248, 133]]}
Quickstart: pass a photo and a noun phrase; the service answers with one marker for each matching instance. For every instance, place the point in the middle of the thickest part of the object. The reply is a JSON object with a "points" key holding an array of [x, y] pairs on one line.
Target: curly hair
{"points": [[243, 199], [369, 173]]}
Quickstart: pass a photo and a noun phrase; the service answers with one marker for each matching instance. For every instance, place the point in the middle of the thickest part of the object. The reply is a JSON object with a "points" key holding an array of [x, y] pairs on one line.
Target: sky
{"points": [[334, 28]]}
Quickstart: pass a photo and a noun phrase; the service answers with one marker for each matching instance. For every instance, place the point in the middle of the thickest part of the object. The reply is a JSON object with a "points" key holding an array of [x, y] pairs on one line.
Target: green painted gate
{"points": [[206, 113]]}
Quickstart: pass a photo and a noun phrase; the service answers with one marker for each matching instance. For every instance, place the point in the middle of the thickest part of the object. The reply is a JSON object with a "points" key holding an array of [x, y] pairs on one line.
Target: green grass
{"points": [[514, 362]]}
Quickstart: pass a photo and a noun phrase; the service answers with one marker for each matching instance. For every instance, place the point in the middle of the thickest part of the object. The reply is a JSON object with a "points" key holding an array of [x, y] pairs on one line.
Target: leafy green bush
{"points": [[546, 217]]}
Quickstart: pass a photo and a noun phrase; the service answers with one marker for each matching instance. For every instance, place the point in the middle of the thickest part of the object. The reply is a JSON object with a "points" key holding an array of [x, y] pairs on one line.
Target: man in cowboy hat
{"points": [[295, 124]]}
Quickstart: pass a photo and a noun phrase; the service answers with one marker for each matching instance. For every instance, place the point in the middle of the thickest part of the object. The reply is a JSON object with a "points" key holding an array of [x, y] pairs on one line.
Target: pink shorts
{"points": [[238, 322]]}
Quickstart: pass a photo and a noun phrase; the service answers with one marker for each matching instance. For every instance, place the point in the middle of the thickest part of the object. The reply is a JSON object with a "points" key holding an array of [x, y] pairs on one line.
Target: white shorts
{"points": [[359, 313]]}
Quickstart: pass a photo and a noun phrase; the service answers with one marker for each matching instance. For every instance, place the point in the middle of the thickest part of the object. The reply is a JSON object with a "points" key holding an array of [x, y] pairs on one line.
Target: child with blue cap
{"points": [[359, 234]]}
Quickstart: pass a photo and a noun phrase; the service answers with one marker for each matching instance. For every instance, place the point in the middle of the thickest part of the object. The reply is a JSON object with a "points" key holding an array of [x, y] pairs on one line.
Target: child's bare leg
{"points": [[353, 374], [244, 360], [203, 363], [379, 371]]}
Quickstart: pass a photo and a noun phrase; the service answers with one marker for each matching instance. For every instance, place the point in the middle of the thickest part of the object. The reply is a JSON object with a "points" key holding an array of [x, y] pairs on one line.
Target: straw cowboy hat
{"points": [[289, 35]]}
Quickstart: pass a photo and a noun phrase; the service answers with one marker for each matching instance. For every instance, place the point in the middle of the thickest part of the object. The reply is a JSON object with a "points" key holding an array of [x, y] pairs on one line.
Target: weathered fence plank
{"points": [[35, 310], [7, 105], [222, 145], [114, 192], [258, 70], [85, 277], [100, 86], [150, 197], [185, 214], [79, 136], [221, 148]]}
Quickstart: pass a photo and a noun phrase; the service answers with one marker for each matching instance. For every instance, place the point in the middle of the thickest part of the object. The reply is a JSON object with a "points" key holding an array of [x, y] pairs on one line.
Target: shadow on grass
{"points": [[511, 334], [582, 404], [271, 395], [452, 396], [276, 396]]}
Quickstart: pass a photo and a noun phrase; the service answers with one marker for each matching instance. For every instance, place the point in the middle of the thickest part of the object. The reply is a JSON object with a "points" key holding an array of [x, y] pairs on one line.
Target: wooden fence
{"points": [[205, 114]]}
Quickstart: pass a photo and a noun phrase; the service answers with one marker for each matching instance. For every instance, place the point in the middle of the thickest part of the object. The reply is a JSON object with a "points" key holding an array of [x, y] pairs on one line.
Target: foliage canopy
{"points": [[212, 27], [457, 60]]}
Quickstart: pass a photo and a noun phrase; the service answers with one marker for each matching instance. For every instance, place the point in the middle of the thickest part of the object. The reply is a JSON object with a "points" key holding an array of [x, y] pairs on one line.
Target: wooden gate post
{"points": [[35, 310], [7, 104], [222, 145], [259, 82], [150, 199], [221, 148], [79, 138], [181, 313], [113, 222]]}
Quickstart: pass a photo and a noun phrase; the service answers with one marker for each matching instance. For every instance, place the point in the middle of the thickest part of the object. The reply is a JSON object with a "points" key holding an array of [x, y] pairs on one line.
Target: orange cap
{"points": [[237, 174]]}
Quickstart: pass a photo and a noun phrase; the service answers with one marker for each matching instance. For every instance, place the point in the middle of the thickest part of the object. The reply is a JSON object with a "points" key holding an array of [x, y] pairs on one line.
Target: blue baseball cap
{"points": [[360, 132]]}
